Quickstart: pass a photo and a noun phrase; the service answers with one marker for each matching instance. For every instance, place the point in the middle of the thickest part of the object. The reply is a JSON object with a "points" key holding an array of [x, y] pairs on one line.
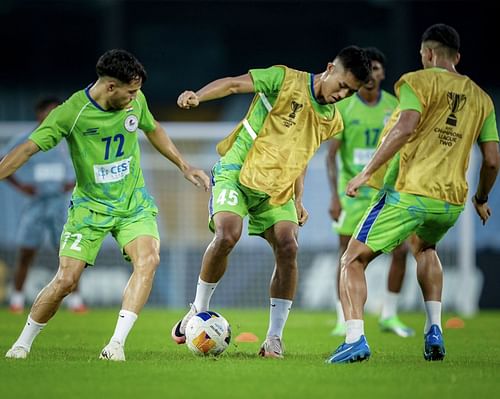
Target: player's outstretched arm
{"points": [[217, 89], [17, 158], [164, 145], [395, 139], [487, 177]]}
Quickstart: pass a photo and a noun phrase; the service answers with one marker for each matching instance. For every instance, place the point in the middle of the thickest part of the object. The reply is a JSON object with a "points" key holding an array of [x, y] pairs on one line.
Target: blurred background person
{"points": [[46, 180]]}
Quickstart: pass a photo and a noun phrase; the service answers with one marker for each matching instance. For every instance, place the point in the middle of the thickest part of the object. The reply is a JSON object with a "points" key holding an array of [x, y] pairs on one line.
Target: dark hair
{"points": [[43, 103], [443, 34], [355, 60], [122, 65], [374, 54]]}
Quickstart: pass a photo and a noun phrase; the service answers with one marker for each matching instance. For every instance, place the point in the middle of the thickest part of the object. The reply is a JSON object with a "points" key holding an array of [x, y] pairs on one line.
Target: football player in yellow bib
{"points": [[260, 172], [441, 115]]}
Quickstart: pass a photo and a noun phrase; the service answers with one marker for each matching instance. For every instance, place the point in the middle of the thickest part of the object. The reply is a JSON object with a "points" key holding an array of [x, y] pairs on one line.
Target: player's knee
{"points": [[225, 240], [148, 263], [287, 247], [64, 284], [349, 261]]}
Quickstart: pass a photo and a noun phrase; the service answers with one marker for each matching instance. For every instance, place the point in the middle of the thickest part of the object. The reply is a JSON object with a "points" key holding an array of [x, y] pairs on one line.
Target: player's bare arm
{"points": [[17, 158], [164, 145], [217, 89], [487, 177], [302, 214], [397, 138], [331, 166]]}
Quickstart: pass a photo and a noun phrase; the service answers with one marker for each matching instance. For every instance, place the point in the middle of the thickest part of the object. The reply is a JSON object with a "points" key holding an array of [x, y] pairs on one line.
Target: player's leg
{"points": [[353, 210], [389, 320], [139, 240], [279, 226], [283, 240], [46, 304], [430, 274], [228, 227], [227, 208], [382, 228], [430, 279], [353, 289], [353, 294], [339, 328], [144, 252], [56, 214]]}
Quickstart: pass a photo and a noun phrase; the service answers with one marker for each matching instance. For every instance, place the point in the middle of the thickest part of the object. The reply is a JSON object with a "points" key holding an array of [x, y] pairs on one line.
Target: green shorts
{"points": [[85, 231], [353, 210], [229, 195], [393, 217]]}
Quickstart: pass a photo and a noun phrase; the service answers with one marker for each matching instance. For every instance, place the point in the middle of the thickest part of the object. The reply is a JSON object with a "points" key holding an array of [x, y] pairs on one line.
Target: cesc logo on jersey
{"points": [[112, 172], [131, 123]]}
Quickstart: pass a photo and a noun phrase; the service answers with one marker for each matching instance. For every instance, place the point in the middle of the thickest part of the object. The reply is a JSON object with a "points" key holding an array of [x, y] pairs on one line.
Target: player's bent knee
{"points": [[226, 240], [287, 247], [148, 263], [64, 285], [350, 261]]}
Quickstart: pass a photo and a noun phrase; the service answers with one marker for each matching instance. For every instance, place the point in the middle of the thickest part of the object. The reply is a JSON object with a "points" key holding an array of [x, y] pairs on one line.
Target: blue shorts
{"points": [[42, 217]]}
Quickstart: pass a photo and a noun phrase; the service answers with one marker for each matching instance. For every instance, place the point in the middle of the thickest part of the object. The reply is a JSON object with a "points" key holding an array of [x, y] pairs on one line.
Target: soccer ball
{"points": [[208, 333]]}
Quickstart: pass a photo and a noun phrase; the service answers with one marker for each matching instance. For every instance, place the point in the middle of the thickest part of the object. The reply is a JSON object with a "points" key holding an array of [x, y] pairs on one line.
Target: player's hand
{"points": [[483, 210], [302, 214], [335, 208], [188, 99], [355, 183], [198, 177]]}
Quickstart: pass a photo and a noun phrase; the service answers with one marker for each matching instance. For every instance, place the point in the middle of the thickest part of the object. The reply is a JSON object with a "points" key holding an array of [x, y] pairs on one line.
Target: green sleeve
{"points": [[147, 121], [408, 100], [53, 129], [489, 131], [267, 80], [340, 135]]}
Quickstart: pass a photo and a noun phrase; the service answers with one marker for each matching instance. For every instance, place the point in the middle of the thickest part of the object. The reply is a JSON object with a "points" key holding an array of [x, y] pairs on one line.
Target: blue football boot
{"points": [[434, 344], [349, 353]]}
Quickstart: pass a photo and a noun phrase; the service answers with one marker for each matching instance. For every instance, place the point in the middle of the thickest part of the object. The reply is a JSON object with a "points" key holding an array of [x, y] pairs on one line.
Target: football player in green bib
{"points": [[442, 114], [260, 174], [101, 125], [364, 115]]}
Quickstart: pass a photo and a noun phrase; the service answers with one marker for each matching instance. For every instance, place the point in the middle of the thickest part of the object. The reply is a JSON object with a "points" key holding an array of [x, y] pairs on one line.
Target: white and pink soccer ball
{"points": [[208, 333]]}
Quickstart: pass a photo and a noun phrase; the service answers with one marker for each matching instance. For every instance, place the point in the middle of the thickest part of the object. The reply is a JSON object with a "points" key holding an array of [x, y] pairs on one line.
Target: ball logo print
{"points": [[208, 333]]}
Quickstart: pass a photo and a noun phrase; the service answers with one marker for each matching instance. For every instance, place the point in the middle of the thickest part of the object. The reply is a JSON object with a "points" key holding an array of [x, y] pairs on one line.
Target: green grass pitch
{"points": [[64, 360]]}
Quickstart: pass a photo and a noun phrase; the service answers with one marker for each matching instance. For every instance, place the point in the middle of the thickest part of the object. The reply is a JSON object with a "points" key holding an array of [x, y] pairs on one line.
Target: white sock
{"points": [[126, 320], [340, 313], [17, 299], [354, 330], [278, 314], [204, 292], [433, 310], [29, 333], [390, 306]]}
